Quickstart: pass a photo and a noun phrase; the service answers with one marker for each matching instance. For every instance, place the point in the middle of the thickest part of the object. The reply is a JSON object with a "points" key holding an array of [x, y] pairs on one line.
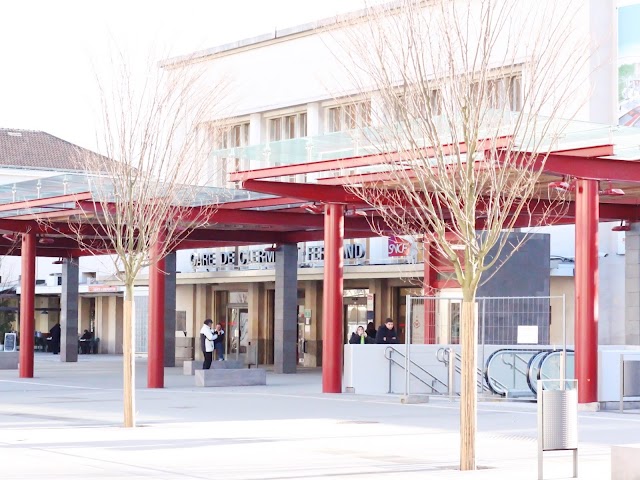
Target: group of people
{"points": [[211, 341], [55, 334], [386, 334]]}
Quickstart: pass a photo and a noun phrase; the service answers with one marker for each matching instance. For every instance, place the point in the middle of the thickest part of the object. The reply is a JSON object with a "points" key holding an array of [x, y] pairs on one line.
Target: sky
{"points": [[51, 50]]}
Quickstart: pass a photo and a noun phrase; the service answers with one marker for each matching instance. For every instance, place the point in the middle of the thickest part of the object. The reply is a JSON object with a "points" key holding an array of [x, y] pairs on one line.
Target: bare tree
{"points": [[468, 97], [149, 189]]}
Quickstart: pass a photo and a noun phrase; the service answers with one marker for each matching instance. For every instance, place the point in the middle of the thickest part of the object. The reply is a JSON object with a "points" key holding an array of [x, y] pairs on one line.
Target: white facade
{"points": [[299, 71]]}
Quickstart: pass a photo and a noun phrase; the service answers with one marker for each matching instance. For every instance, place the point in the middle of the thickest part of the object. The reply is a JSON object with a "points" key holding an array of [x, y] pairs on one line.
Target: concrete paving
{"points": [[66, 423]]}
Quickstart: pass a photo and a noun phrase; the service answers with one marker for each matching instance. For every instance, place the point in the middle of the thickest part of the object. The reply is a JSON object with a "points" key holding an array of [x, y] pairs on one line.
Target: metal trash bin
{"points": [[557, 422], [629, 379]]}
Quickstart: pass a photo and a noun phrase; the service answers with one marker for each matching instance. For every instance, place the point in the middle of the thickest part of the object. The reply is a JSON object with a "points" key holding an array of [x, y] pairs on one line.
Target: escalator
{"points": [[514, 373]]}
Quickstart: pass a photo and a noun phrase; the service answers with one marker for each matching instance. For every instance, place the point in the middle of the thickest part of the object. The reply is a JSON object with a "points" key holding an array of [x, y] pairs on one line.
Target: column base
{"points": [[589, 407]]}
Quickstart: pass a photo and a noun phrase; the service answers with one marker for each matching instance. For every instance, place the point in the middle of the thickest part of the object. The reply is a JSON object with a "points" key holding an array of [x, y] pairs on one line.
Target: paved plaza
{"points": [[65, 424]]}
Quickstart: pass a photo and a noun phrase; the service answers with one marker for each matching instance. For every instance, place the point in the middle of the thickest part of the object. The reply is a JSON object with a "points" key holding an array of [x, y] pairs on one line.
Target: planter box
{"points": [[231, 377]]}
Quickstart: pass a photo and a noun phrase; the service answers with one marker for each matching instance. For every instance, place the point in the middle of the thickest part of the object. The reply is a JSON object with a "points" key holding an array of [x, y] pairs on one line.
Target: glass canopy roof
{"points": [[333, 146], [58, 184], [562, 134]]}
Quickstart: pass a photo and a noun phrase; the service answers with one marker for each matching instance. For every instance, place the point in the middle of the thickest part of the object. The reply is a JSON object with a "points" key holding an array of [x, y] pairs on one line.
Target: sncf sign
{"points": [[398, 247]]}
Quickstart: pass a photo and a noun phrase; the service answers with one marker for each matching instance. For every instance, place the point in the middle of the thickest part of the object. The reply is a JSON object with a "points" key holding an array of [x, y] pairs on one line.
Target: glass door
{"points": [[236, 333]]}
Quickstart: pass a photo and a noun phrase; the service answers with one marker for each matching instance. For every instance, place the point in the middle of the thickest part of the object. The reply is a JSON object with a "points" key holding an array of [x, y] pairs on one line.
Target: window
{"points": [[231, 136], [418, 103], [226, 137], [287, 127], [502, 93], [348, 116]]}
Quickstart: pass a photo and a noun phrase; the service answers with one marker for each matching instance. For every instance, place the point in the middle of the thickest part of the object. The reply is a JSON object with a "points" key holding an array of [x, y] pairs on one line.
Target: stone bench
{"points": [[189, 367], [9, 360], [231, 377], [625, 462]]}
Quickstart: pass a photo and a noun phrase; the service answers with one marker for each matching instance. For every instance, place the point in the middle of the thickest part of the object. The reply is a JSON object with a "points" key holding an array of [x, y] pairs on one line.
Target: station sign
{"points": [[398, 247], [246, 257]]}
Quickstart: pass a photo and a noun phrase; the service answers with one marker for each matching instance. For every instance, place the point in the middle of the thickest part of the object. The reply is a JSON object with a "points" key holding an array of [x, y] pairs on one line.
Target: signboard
{"points": [[629, 65], [528, 334], [398, 247], [352, 251], [102, 288], [10, 342], [370, 306]]}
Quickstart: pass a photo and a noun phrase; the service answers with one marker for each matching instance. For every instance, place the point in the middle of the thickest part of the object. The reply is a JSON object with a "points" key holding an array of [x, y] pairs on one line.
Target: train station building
{"points": [[290, 263]]}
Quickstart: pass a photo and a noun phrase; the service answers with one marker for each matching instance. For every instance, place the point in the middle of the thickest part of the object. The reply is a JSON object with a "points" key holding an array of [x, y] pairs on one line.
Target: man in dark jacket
{"points": [[386, 333]]}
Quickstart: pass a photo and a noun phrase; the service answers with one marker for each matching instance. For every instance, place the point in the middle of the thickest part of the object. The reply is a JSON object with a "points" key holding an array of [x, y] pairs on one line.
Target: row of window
{"points": [[499, 93]]}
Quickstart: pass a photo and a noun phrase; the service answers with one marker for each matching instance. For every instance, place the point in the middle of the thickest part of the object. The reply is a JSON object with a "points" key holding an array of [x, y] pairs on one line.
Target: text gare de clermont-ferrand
{"points": [[352, 251]]}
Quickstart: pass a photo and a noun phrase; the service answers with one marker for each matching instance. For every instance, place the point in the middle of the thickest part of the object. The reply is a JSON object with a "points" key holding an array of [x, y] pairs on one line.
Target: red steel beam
{"points": [[43, 202], [592, 168], [48, 215], [355, 162], [257, 203], [308, 191]]}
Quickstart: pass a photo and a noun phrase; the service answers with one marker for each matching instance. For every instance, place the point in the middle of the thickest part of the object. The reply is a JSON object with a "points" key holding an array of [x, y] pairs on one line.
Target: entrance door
{"points": [[448, 320], [237, 330]]}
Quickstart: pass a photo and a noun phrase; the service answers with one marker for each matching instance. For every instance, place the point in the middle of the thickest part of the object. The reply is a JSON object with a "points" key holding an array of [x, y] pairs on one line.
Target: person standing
{"points": [[206, 343], [218, 341], [55, 338], [371, 331], [386, 333]]}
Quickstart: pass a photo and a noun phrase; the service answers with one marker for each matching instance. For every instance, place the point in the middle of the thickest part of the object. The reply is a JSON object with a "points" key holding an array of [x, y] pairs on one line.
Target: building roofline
{"points": [[277, 35]]}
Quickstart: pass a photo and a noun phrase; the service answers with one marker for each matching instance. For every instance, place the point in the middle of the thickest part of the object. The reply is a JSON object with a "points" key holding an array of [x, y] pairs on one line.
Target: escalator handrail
{"points": [[544, 359], [534, 362], [490, 358]]}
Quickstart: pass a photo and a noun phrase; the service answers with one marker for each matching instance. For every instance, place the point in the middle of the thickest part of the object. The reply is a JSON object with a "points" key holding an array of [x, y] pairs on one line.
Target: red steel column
{"points": [[155, 365], [586, 290], [428, 286], [27, 303], [332, 324]]}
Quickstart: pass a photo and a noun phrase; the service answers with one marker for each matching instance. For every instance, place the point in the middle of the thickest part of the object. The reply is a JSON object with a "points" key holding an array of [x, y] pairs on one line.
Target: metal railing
{"points": [[430, 383], [444, 354]]}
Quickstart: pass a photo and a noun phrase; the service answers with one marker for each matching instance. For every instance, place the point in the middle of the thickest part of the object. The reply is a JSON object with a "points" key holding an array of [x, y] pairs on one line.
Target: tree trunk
{"points": [[128, 359], [468, 390]]}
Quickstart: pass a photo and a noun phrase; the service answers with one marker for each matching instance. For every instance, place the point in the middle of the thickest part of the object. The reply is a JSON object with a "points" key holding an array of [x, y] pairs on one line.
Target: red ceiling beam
{"points": [[257, 203], [592, 168], [65, 213], [41, 202], [589, 152], [230, 236], [307, 191]]}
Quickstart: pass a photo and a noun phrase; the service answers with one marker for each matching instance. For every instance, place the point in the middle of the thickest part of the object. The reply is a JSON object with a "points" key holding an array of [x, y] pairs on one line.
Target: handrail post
{"points": [[452, 373], [563, 357], [407, 342], [390, 350]]}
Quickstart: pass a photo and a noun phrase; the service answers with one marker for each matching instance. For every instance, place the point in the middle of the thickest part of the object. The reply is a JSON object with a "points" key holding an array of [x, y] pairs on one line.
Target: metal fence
{"points": [[520, 322], [501, 320]]}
